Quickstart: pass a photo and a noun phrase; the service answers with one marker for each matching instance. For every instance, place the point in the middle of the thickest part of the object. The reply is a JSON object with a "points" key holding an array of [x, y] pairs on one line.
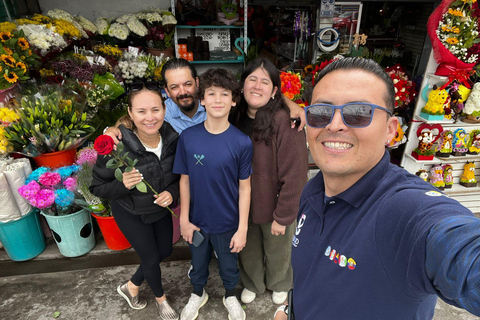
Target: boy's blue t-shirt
{"points": [[214, 164]]}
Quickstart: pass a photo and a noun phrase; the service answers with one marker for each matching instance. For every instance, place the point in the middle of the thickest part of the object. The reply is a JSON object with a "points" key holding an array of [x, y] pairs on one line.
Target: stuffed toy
{"points": [[467, 179], [472, 106]]}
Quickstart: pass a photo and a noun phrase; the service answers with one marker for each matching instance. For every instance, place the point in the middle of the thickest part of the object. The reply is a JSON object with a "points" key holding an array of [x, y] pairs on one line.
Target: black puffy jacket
{"points": [[158, 173]]}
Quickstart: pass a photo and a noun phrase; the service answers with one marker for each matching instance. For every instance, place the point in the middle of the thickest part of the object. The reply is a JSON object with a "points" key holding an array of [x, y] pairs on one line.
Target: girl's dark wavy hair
{"points": [[263, 126]]}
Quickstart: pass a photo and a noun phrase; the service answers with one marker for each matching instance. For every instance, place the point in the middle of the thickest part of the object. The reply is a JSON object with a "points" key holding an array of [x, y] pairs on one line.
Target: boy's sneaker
{"points": [[235, 310], [190, 311], [247, 296], [279, 297]]}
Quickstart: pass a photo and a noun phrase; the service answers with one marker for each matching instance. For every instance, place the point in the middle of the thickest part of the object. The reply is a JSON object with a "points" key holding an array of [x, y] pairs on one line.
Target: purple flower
{"points": [[87, 155], [70, 183]]}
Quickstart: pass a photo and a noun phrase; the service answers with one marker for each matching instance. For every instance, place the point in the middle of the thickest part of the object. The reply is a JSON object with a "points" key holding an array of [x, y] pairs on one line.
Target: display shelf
{"points": [[209, 27], [216, 61], [434, 160], [448, 123], [458, 189]]}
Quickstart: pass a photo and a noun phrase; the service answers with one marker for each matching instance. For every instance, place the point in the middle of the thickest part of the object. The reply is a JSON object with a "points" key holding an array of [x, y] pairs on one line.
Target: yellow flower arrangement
{"points": [[7, 26], [15, 57], [67, 29], [7, 116], [108, 50]]}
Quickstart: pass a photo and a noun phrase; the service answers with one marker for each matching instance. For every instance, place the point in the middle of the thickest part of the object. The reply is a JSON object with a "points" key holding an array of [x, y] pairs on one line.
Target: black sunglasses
{"points": [[137, 86], [355, 114]]}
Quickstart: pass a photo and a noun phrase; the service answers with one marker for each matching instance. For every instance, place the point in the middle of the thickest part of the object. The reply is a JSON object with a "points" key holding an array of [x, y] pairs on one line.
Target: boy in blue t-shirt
{"points": [[214, 160]]}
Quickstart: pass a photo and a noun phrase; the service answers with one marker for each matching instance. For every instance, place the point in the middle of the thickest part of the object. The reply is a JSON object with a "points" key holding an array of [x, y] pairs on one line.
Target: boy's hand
{"points": [[186, 230], [115, 133], [277, 229], [238, 241]]}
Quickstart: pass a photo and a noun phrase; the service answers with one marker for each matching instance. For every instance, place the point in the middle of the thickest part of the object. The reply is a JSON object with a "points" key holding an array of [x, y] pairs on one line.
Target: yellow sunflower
{"points": [[8, 51], [8, 60], [23, 43], [1, 69], [21, 65], [4, 36], [11, 77]]}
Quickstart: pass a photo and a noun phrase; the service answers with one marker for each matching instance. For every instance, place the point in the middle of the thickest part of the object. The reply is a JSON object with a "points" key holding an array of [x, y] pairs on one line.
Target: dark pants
{"points": [[152, 243], [227, 261]]}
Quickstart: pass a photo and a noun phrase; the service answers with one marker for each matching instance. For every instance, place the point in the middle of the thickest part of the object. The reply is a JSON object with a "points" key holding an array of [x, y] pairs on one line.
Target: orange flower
{"points": [[11, 77], [21, 65], [23, 43]]}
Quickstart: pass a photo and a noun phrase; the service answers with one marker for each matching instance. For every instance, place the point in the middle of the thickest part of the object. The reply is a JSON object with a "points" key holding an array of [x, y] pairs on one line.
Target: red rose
{"points": [[103, 144]]}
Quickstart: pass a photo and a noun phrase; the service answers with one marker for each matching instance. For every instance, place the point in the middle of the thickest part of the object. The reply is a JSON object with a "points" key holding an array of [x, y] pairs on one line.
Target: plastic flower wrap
{"points": [[50, 120], [403, 87], [16, 57], [453, 30], [86, 159], [292, 85], [52, 191], [43, 38], [136, 27], [131, 66], [86, 24]]}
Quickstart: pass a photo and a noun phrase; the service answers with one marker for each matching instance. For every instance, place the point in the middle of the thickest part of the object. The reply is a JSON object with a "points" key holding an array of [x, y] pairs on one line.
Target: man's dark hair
{"points": [[365, 65], [221, 78], [177, 63]]}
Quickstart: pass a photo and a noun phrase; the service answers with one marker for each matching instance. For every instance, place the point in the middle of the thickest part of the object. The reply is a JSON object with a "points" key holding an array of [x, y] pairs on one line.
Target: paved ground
{"points": [[91, 294]]}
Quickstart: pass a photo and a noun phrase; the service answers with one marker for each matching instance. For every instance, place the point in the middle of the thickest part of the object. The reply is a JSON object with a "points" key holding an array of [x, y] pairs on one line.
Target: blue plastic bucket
{"points": [[23, 238], [73, 233]]}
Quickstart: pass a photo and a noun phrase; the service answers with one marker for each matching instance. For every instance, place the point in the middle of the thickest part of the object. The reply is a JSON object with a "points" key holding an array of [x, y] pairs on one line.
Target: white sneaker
{"points": [[247, 296], [279, 297], [190, 311], [235, 310]]}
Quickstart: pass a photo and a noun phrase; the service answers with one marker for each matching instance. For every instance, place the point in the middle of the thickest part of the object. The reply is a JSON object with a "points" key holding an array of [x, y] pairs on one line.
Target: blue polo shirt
{"points": [[362, 254], [178, 120]]}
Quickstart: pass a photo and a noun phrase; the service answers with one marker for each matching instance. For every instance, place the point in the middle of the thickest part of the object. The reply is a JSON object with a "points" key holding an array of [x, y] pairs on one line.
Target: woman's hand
{"points": [[277, 229], [130, 179], [164, 199], [186, 230]]}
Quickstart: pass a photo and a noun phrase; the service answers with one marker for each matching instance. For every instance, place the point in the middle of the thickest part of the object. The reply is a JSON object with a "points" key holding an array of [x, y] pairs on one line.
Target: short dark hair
{"points": [[177, 63], [221, 78], [367, 65]]}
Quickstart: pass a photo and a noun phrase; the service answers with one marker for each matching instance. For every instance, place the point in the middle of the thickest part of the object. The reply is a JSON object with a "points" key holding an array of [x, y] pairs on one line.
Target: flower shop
{"points": [[63, 69]]}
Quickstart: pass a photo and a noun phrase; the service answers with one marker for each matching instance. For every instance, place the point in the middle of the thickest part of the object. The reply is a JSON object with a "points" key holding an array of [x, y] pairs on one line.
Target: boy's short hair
{"points": [[221, 78]]}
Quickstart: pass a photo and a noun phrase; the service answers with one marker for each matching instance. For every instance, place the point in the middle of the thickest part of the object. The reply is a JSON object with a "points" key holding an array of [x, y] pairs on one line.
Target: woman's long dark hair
{"points": [[263, 126]]}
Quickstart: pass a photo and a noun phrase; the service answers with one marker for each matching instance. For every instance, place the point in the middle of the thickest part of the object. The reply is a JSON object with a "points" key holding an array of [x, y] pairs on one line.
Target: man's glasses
{"points": [[137, 86], [355, 114]]}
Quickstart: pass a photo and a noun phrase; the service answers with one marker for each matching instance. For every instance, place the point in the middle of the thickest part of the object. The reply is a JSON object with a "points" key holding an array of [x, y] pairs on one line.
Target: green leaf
{"points": [[141, 186], [118, 174], [120, 147], [112, 164], [128, 169], [134, 162], [56, 314]]}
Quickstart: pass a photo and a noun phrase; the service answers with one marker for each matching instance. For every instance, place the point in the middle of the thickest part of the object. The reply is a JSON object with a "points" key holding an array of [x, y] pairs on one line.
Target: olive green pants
{"points": [[265, 262]]}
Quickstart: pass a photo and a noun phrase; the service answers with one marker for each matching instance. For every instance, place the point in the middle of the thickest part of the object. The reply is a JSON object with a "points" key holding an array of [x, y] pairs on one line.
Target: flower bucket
{"points": [[23, 238], [176, 225], [73, 233], [7, 94], [56, 159], [158, 52], [114, 238]]}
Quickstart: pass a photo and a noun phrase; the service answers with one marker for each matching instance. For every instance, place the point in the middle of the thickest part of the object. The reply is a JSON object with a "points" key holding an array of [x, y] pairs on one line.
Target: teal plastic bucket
{"points": [[23, 238], [73, 233]]}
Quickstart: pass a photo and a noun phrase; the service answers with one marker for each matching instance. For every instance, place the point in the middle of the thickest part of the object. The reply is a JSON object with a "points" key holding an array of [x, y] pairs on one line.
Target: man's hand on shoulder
{"points": [[115, 133]]}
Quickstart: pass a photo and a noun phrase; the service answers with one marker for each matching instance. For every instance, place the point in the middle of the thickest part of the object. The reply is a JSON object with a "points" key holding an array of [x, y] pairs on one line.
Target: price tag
{"points": [[218, 39]]}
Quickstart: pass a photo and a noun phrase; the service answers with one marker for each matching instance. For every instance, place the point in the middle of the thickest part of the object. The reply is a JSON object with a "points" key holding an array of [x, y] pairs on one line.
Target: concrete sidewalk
{"points": [[91, 294]]}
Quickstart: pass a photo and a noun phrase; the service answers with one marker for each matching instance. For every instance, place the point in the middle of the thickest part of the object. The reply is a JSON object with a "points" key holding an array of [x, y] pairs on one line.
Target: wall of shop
{"points": [[92, 9]]}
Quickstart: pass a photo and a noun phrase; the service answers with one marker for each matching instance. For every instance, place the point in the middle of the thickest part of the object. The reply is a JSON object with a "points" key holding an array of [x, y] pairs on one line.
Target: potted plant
{"points": [[161, 29], [114, 238], [51, 125], [53, 192]]}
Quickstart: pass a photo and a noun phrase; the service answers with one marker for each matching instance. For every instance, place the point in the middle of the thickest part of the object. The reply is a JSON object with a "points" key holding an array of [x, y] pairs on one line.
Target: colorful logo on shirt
{"points": [[340, 259], [434, 193], [300, 224], [199, 158]]}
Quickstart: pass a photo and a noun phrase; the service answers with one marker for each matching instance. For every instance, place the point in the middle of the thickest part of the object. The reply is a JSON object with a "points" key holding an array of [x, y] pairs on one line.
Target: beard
{"points": [[187, 107]]}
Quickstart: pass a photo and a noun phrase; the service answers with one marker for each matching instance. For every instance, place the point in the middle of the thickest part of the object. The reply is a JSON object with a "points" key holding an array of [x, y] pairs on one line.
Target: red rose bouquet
{"points": [[403, 86], [104, 145]]}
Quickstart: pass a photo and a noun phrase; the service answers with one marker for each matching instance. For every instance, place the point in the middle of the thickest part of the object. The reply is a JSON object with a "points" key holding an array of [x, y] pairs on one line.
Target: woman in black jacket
{"points": [[143, 217]]}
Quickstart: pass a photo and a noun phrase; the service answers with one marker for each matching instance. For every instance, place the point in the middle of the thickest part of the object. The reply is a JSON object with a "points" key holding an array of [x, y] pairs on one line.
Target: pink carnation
{"points": [[44, 199], [70, 183], [30, 190], [50, 178]]}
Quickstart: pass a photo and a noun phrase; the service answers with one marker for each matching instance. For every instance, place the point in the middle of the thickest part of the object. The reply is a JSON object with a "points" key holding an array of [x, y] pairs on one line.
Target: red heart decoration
{"points": [[436, 129]]}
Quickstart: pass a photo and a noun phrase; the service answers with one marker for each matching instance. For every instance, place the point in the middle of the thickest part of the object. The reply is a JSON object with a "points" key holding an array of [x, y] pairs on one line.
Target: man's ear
{"points": [[392, 125]]}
